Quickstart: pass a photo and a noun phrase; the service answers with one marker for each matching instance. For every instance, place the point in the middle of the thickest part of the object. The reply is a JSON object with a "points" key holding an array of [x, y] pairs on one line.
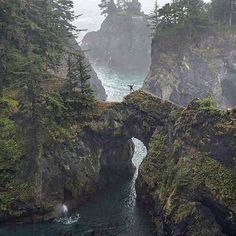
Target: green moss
{"points": [[204, 104], [180, 170], [152, 106], [17, 191], [10, 145], [11, 150], [183, 211]]}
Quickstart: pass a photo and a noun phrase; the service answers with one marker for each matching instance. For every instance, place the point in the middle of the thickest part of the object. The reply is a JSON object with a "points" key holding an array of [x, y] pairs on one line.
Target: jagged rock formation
{"points": [[96, 153], [122, 43], [187, 182], [187, 179], [182, 69]]}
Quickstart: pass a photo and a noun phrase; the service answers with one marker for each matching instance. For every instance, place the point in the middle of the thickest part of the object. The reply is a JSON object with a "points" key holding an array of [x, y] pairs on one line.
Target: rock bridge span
{"points": [[138, 116]]}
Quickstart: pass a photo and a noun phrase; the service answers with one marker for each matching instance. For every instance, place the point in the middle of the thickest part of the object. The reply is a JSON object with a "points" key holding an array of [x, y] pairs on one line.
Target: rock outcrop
{"points": [[94, 154], [184, 69], [122, 43], [186, 183]]}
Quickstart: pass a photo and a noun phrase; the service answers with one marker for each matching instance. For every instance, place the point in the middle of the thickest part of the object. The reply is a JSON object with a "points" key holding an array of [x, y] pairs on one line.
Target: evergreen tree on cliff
{"points": [[134, 7], [32, 36], [108, 7], [77, 93], [154, 19], [223, 11], [185, 15]]}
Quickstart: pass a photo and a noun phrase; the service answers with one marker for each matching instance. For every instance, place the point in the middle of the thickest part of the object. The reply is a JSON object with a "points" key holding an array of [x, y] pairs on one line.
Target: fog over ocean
{"points": [[92, 19]]}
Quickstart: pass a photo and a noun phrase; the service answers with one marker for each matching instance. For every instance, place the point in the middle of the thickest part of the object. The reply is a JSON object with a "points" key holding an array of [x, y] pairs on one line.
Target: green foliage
{"points": [[182, 16], [55, 120], [33, 39], [191, 17], [182, 170], [11, 149], [77, 93], [9, 145], [223, 11], [203, 104], [17, 191], [111, 7]]}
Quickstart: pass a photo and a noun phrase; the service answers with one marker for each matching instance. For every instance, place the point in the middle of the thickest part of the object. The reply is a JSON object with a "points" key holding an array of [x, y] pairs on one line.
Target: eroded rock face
{"points": [[70, 172], [182, 70], [186, 182], [122, 43]]}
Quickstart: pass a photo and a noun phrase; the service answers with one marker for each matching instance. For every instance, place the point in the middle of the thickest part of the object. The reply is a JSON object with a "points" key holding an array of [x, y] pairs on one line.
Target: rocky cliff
{"points": [[183, 69], [122, 43], [72, 168], [186, 183], [68, 170]]}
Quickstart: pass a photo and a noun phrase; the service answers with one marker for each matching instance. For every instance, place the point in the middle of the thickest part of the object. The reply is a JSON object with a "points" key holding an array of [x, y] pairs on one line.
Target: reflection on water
{"points": [[112, 213]]}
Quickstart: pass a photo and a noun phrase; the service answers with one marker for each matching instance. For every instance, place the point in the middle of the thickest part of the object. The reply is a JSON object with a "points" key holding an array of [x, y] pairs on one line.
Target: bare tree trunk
{"points": [[230, 12]]}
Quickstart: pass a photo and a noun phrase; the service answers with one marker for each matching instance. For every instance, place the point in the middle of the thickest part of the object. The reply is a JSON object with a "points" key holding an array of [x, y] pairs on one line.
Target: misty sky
{"points": [[92, 18]]}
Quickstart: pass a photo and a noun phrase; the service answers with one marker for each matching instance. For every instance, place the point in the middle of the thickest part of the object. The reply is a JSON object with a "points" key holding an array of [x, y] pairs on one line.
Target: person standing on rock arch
{"points": [[131, 87]]}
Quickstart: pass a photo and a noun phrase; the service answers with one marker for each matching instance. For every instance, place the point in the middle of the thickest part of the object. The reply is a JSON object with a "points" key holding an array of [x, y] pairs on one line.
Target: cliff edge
{"points": [[182, 70]]}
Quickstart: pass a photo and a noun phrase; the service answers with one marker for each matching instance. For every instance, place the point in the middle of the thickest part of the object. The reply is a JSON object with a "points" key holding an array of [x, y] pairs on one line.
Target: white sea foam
{"points": [[68, 220]]}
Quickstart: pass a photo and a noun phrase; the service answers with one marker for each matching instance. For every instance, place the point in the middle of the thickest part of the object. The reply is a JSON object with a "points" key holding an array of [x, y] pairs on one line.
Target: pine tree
{"points": [[119, 5], [32, 37], [134, 7], [108, 7], [154, 18], [188, 16], [223, 11], [77, 93], [165, 14]]}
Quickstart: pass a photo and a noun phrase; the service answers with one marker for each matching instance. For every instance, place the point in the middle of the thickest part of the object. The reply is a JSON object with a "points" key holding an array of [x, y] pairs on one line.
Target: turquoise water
{"points": [[115, 211], [116, 84]]}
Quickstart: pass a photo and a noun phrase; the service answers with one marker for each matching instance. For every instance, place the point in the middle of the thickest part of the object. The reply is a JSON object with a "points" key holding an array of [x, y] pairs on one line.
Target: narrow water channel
{"points": [[113, 213]]}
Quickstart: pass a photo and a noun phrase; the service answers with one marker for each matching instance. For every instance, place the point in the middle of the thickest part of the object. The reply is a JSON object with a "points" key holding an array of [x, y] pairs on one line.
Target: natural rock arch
{"points": [[103, 150], [137, 116], [199, 137]]}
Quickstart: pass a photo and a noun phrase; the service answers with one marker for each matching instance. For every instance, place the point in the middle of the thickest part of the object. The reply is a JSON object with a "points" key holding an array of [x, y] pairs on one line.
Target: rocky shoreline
{"points": [[187, 178]]}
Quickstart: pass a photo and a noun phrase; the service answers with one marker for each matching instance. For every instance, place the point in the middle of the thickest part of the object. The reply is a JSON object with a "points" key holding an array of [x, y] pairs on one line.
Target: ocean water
{"points": [[117, 84], [114, 212]]}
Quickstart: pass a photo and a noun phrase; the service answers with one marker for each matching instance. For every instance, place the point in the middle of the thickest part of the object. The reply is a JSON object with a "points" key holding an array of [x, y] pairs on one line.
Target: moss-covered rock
{"points": [[11, 149], [187, 181]]}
